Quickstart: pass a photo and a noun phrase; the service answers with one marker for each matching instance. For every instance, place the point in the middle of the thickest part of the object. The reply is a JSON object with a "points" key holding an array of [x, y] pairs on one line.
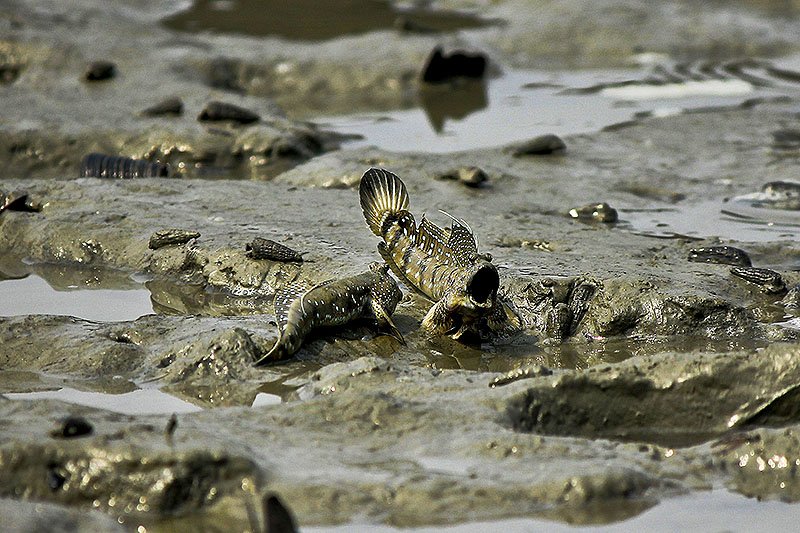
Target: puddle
{"points": [[716, 510], [33, 295], [139, 402], [289, 19], [262, 399], [523, 104], [173, 298], [103, 295], [727, 220]]}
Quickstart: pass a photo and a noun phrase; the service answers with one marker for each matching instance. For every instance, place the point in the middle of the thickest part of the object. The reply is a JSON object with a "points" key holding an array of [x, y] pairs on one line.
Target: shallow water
{"points": [[714, 219], [148, 401], [523, 104], [289, 19], [33, 295], [139, 402]]}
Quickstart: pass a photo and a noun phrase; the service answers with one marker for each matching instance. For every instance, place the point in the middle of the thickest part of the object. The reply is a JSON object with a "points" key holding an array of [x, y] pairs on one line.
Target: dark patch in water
{"points": [[448, 102], [310, 20]]}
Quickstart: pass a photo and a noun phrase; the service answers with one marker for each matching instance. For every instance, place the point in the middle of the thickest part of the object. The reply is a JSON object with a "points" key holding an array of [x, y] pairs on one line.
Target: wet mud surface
{"points": [[641, 374]]}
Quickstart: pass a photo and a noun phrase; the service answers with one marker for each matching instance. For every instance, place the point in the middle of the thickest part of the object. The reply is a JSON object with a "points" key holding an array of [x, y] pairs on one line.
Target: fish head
{"points": [[482, 284], [385, 287], [477, 294]]}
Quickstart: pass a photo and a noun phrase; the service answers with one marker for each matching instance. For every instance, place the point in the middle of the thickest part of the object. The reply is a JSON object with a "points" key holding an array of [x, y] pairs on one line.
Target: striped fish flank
{"points": [[441, 264], [300, 308]]}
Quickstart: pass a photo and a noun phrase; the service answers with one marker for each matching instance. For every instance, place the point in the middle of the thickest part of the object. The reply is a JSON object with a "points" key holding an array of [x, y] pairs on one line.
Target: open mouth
{"points": [[483, 285]]}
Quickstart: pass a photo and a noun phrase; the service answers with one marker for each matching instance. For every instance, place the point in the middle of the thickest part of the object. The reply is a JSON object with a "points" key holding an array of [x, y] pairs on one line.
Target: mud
{"points": [[639, 376]]}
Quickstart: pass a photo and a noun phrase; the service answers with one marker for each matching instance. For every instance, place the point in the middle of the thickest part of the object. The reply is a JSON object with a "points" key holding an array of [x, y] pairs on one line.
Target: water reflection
{"points": [[172, 297], [452, 102]]}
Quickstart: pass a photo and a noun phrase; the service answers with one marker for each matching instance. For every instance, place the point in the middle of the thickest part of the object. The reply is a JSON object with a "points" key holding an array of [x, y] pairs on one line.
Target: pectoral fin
{"points": [[503, 321], [439, 321], [385, 321]]}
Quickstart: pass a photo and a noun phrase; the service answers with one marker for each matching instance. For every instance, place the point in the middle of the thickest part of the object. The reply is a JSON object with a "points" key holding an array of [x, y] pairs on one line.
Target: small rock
{"points": [[601, 212], [71, 427], [541, 145], [170, 106], [277, 518], [469, 176], [441, 68], [218, 111], [99, 71], [168, 237]]}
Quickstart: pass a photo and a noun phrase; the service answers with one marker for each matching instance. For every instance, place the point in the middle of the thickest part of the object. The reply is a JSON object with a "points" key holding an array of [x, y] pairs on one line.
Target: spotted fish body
{"points": [[441, 264], [299, 308]]}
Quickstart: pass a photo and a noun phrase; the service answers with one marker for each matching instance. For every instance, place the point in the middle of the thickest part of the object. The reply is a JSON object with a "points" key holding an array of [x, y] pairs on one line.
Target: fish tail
{"points": [[277, 353], [286, 346], [383, 199]]}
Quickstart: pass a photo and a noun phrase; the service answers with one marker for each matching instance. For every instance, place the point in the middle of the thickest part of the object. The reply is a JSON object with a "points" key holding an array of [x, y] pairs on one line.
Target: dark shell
{"points": [[442, 68], [170, 106], [770, 281], [100, 70], [541, 145], [167, 237], [117, 167], [266, 249], [71, 427], [217, 111], [601, 212], [722, 255]]}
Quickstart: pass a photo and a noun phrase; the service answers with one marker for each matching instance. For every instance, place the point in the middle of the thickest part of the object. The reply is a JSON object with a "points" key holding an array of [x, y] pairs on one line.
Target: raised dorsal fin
{"points": [[401, 275], [430, 238], [461, 241]]}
